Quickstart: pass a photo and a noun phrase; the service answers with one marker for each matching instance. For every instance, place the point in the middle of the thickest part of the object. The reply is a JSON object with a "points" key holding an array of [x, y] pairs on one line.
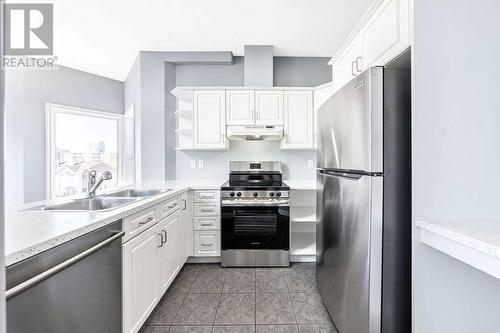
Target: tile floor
{"points": [[206, 298]]}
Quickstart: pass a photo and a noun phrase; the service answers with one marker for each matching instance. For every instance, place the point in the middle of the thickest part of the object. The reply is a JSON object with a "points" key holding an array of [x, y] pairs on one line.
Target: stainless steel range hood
{"points": [[255, 132]]}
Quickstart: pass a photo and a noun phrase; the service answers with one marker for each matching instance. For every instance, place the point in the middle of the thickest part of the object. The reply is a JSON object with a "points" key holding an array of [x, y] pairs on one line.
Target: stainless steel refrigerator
{"points": [[363, 203]]}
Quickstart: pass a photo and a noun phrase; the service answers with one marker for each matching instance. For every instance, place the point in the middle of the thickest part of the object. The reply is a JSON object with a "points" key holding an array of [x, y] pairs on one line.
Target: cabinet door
{"points": [[348, 65], [386, 34], [186, 225], [170, 251], [298, 116], [140, 279], [207, 243], [240, 107], [269, 107], [209, 119]]}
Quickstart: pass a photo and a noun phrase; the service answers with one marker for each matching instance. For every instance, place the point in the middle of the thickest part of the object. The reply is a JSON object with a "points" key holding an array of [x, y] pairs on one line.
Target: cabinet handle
{"points": [[206, 196], [172, 205], [185, 204], [357, 64], [149, 219], [207, 244], [161, 240], [352, 68], [207, 209], [164, 232], [207, 224]]}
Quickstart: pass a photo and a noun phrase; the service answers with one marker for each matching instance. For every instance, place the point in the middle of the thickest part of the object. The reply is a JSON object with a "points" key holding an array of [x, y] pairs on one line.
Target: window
{"points": [[79, 141]]}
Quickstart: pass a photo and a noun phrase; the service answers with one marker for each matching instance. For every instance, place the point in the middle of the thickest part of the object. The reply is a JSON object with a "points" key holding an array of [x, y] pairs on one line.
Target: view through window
{"points": [[81, 142]]}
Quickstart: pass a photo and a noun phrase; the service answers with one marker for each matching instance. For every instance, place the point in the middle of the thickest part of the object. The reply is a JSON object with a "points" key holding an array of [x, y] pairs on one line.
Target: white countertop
{"points": [[473, 241], [297, 184], [30, 232]]}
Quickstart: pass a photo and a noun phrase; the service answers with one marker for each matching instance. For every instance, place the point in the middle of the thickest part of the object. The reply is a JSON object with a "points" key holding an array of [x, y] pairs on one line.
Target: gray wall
{"points": [[456, 136], [301, 71], [288, 71], [27, 93]]}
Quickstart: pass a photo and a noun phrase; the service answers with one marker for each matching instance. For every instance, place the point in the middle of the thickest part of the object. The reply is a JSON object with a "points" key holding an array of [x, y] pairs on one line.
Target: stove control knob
{"points": [[238, 194], [231, 194], [255, 194], [271, 194], [278, 194]]}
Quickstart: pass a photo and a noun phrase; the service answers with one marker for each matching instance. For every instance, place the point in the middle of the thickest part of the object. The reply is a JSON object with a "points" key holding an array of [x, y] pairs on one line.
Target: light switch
{"points": [[193, 164], [201, 164], [310, 163]]}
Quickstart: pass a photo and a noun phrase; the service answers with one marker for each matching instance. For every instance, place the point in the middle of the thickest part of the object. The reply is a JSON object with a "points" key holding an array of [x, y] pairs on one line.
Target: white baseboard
{"points": [[203, 260], [208, 260], [303, 258]]}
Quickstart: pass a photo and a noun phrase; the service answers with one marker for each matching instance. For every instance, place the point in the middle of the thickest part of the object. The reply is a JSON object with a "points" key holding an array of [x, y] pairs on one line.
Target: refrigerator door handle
{"points": [[332, 173], [350, 174]]}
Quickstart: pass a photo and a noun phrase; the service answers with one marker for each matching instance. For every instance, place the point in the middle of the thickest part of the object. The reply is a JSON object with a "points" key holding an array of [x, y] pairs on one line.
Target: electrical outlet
{"points": [[310, 163], [193, 164], [201, 164]]}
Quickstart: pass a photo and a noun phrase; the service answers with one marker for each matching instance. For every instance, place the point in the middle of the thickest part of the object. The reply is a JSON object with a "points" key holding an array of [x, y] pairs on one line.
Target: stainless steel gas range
{"points": [[255, 215]]}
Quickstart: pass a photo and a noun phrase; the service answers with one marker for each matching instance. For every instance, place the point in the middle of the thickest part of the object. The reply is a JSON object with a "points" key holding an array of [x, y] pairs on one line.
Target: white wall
{"points": [[25, 96], [216, 163], [456, 137]]}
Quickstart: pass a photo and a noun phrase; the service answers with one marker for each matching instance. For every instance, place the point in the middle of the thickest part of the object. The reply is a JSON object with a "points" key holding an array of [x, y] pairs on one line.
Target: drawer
{"points": [[169, 206], [207, 196], [206, 209], [207, 243], [140, 221], [207, 223]]}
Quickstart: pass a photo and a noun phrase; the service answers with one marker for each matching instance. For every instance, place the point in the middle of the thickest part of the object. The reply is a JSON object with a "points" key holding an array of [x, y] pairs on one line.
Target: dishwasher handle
{"points": [[22, 287]]}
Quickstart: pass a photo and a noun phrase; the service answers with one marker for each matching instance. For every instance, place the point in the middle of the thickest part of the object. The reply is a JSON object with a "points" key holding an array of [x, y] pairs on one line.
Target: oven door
{"points": [[255, 227]]}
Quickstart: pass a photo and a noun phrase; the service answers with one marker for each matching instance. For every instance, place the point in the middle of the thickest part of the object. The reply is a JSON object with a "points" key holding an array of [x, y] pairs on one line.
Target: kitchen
{"points": [[201, 181]]}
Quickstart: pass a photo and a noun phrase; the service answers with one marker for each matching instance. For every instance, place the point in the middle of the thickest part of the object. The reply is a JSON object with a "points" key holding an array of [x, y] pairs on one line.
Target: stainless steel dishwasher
{"points": [[74, 287]]}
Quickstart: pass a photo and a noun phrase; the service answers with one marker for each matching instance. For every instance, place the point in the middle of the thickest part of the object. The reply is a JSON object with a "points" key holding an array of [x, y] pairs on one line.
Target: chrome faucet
{"points": [[94, 183]]}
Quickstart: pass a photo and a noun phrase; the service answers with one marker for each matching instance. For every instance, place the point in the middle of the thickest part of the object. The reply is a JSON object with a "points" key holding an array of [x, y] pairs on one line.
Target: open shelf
{"points": [[183, 130], [303, 214], [303, 244], [184, 113]]}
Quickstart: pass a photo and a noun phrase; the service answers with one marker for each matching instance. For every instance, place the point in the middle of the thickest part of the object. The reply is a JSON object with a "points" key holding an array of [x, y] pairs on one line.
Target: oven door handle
{"points": [[270, 203]]}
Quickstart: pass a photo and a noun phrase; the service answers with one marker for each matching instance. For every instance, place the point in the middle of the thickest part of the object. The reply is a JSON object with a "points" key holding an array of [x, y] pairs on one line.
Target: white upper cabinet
{"points": [[240, 107], [348, 64], [209, 119], [298, 120], [254, 107], [268, 107], [381, 35], [386, 34]]}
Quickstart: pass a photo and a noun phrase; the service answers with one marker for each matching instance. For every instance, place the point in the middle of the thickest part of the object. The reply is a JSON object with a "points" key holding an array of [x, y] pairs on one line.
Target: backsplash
{"points": [[216, 163]]}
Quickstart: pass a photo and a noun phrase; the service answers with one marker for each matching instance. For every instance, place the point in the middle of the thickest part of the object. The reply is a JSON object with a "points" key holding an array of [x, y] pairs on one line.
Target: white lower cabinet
{"points": [[206, 223], [153, 258], [186, 226], [207, 243], [141, 283], [169, 254]]}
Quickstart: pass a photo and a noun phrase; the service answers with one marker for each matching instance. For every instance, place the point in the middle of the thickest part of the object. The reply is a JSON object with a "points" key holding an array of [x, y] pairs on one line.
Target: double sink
{"points": [[104, 202]]}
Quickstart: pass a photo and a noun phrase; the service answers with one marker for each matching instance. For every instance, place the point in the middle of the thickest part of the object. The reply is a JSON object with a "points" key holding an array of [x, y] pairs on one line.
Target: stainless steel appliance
{"points": [[74, 287], [255, 215], [363, 203]]}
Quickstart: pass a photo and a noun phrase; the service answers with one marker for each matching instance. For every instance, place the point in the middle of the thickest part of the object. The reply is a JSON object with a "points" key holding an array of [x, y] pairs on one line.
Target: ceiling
{"points": [[104, 37]]}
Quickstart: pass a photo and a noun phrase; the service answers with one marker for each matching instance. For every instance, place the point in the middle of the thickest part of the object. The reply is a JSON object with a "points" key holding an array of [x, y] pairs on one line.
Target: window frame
{"points": [[51, 110]]}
